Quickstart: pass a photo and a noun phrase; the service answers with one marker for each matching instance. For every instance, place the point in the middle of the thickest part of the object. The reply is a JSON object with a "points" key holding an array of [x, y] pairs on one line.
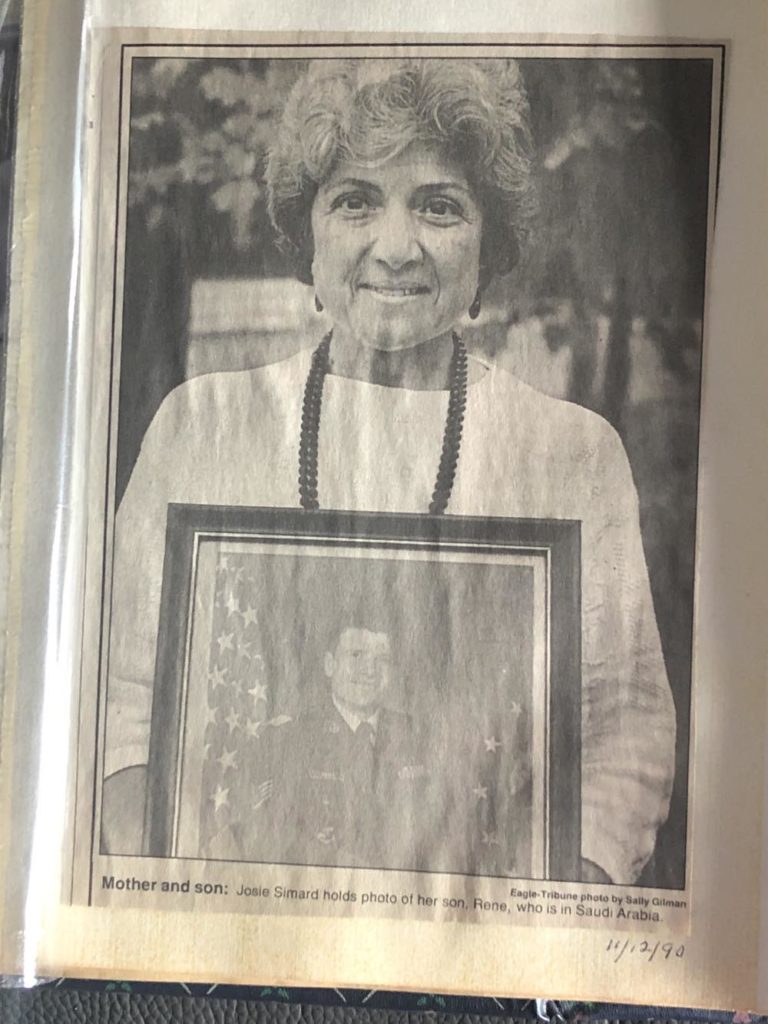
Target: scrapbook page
{"points": [[384, 605]]}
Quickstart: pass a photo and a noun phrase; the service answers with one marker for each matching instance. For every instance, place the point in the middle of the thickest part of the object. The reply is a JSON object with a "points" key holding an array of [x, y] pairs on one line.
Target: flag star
{"points": [[232, 720], [210, 715], [236, 687], [245, 650], [490, 839], [239, 573], [228, 759], [515, 708], [220, 797], [258, 691], [252, 728], [216, 677], [481, 792], [232, 604], [250, 616], [226, 642], [492, 745]]}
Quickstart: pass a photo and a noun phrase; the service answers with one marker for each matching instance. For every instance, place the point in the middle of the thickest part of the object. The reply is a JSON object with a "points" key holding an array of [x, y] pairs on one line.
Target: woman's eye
{"points": [[353, 204], [442, 209]]}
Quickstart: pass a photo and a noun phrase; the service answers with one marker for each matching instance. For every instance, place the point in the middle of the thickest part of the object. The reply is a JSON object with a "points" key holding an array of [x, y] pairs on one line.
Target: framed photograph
{"points": [[359, 690]]}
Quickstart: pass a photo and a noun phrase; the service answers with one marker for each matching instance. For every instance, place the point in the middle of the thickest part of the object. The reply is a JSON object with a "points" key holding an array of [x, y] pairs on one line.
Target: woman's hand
{"points": [[591, 872], [122, 811]]}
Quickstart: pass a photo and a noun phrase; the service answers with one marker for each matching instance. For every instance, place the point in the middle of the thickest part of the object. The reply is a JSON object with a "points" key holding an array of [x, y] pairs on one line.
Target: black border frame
{"points": [[560, 539]]}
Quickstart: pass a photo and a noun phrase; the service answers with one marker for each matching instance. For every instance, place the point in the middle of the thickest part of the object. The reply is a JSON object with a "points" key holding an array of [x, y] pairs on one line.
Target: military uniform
{"points": [[333, 796]]}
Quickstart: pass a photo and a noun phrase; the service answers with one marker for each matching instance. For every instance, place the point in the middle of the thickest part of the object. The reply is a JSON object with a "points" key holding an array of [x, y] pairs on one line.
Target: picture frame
{"points": [[248, 596]]}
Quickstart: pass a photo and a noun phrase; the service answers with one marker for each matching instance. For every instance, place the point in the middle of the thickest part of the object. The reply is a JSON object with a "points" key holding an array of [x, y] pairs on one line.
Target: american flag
{"points": [[500, 818], [490, 752], [239, 702]]}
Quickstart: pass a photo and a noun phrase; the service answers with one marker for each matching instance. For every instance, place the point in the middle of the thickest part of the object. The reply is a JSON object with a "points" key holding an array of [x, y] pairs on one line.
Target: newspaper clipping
{"points": [[397, 392]]}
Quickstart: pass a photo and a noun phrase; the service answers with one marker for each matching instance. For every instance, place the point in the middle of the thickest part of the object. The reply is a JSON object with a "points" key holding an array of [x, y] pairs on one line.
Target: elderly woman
{"points": [[402, 187]]}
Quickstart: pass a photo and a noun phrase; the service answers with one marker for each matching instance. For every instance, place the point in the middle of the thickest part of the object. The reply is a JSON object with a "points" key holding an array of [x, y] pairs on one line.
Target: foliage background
{"points": [[618, 251]]}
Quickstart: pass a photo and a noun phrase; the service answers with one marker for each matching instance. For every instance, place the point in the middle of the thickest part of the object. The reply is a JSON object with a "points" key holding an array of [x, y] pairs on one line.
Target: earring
{"points": [[318, 305], [474, 309]]}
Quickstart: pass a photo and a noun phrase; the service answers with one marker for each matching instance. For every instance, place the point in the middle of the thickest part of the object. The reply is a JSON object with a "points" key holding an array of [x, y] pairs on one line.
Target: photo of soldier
{"points": [[346, 781], [367, 712]]}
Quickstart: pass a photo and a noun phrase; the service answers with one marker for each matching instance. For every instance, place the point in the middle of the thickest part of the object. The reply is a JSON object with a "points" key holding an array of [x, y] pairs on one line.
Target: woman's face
{"points": [[397, 248]]}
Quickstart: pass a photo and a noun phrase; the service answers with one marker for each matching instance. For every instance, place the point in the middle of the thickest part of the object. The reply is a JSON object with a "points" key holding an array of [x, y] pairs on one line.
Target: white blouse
{"points": [[232, 439]]}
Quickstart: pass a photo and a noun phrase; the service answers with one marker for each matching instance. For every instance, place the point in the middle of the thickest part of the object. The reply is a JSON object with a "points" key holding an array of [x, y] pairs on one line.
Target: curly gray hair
{"points": [[473, 111]]}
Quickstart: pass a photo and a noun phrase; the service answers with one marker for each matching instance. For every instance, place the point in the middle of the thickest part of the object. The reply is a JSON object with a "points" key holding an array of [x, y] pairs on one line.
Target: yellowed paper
{"points": [[497, 891]]}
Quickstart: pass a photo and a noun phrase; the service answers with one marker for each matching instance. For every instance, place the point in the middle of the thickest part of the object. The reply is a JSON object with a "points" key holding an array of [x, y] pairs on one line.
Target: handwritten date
{"points": [[650, 951]]}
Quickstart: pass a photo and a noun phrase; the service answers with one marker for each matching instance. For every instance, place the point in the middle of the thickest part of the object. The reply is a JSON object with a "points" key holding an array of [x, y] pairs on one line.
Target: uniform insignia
{"points": [[326, 835], [412, 771]]}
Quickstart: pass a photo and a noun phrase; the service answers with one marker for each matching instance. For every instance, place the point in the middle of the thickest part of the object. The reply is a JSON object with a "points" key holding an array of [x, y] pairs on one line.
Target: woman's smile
{"points": [[391, 291], [397, 249]]}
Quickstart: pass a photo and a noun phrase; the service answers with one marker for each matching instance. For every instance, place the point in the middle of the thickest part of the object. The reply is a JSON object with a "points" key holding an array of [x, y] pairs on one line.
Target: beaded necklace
{"points": [[310, 427]]}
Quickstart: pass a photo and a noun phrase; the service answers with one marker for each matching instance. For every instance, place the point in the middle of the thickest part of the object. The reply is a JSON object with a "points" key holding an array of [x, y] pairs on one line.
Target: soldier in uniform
{"points": [[347, 781]]}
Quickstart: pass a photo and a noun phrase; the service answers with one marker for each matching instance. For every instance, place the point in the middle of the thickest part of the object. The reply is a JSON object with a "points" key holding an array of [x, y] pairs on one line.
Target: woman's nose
{"points": [[396, 244]]}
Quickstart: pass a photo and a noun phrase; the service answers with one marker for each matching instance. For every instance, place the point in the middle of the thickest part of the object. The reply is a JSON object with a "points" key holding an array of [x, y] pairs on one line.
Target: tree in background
{"points": [[199, 131], [623, 207]]}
